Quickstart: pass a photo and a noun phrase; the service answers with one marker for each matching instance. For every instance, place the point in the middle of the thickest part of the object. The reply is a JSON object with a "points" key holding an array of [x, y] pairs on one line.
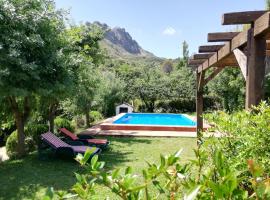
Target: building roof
{"points": [[127, 104]]}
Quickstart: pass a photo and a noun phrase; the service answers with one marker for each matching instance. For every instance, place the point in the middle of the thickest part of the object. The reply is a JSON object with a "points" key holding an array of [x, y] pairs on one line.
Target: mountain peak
{"points": [[120, 37], [119, 42]]}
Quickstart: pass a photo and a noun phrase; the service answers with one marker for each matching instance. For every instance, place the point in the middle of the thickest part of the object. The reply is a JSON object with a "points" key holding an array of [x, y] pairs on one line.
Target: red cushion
{"points": [[69, 134], [97, 141]]}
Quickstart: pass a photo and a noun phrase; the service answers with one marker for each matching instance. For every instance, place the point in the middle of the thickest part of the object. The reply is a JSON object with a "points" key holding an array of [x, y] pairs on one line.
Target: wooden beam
{"points": [[238, 41], [202, 56], [261, 25], [228, 61], [209, 48], [213, 74], [212, 60], [241, 17], [195, 62], [242, 61], [261, 30], [267, 44], [221, 36], [255, 69]]}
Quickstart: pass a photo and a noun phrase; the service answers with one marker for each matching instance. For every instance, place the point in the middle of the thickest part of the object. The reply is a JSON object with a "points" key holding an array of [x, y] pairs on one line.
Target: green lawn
{"points": [[28, 178]]}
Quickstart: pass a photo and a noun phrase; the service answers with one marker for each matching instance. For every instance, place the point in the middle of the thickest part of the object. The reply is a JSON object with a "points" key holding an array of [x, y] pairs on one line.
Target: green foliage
{"points": [[216, 178], [159, 86], [224, 168], [247, 135], [150, 87], [180, 105], [95, 116], [32, 132], [267, 87], [12, 145], [111, 93], [229, 86], [6, 128], [31, 47], [35, 130], [34, 57], [63, 123], [167, 66], [267, 4]]}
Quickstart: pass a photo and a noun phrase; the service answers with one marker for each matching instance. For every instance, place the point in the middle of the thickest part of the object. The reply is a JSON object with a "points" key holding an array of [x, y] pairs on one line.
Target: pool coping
{"points": [[108, 125]]}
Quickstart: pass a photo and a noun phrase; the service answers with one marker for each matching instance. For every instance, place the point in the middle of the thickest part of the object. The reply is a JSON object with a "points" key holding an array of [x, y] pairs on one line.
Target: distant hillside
{"points": [[121, 46]]}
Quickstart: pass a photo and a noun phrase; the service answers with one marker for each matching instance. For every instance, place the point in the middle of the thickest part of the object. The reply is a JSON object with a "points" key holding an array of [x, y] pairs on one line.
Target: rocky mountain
{"points": [[122, 39], [119, 44]]}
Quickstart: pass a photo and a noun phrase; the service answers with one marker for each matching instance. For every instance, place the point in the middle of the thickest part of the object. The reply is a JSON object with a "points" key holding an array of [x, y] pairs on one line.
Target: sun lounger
{"points": [[63, 148], [86, 139]]}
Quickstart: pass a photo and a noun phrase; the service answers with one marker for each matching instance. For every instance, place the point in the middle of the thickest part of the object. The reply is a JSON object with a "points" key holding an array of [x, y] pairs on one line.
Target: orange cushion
{"points": [[97, 141], [69, 134]]}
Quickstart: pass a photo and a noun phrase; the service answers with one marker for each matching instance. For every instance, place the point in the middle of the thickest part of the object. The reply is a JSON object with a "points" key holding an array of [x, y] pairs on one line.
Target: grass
{"points": [[29, 178]]}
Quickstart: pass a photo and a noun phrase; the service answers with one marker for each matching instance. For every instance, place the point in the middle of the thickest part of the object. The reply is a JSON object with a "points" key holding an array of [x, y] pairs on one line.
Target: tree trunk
{"points": [[87, 118], [51, 116], [51, 122], [21, 136], [152, 106], [20, 118]]}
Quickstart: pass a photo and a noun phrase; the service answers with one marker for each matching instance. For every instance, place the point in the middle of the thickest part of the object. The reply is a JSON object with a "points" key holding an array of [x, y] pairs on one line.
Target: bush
{"points": [[95, 116], [80, 121], [35, 130], [12, 142], [5, 130], [209, 176], [247, 135], [63, 123]]}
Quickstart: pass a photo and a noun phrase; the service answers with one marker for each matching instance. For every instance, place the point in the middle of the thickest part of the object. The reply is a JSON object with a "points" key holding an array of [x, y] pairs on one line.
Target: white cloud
{"points": [[169, 31]]}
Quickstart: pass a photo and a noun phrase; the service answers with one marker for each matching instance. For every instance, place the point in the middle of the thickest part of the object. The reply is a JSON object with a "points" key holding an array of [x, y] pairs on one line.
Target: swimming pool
{"points": [[155, 119], [150, 122]]}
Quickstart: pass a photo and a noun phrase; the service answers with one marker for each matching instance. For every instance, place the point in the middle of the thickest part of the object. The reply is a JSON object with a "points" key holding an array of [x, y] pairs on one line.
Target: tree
{"points": [[86, 91], [167, 66], [185, 55], [267, 4], [85, 39], [151, 86], [185, 51], [128, 74], [229, 86], [31, 55], [111, 92]]}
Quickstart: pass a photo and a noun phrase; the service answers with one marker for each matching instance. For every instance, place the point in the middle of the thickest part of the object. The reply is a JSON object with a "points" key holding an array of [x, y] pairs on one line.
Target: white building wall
{"points": [[129, 108]]}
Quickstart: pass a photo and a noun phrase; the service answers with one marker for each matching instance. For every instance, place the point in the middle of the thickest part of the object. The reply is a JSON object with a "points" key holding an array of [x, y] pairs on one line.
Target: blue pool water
{"points": [[155, 119]]}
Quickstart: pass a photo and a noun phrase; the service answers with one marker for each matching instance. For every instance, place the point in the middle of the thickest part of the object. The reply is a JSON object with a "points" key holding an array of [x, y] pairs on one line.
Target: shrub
{"points": [[5, 130], [183, 105], [95, 116], [63, 123], [12, 142], [80, 122], [247, 135], [209, 176], [35, 130]]}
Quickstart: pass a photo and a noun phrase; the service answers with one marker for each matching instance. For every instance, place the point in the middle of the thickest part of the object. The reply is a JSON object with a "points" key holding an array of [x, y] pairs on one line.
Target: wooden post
{"points": [[199, 105], [255, 69]]}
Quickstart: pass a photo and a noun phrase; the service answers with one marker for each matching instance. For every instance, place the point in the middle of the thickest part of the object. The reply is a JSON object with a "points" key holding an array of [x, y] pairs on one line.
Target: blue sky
{"points": [[160, 26]]}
